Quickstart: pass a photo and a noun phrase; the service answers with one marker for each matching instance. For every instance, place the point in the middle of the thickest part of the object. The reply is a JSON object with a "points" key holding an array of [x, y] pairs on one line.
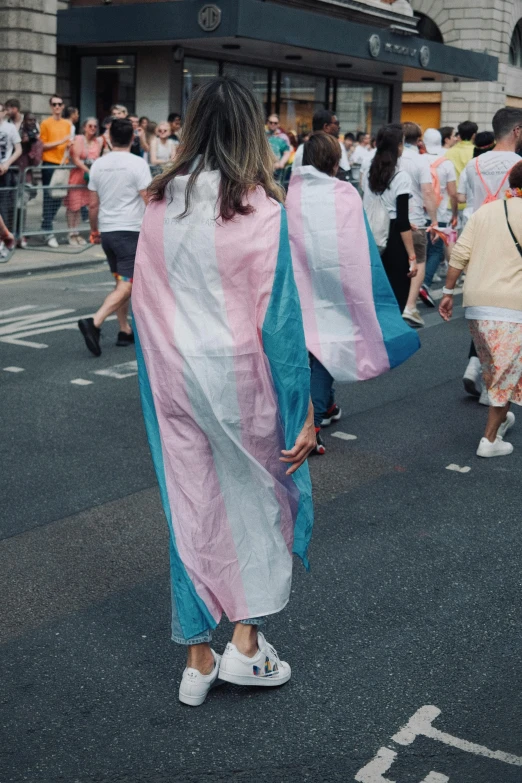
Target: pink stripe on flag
{"points": [[356, 279], [199, 517], [302, 273], [244, 281]]}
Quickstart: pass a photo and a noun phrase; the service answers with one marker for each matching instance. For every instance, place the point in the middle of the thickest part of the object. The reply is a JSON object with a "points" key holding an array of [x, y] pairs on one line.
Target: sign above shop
{"points": [[375, 46], [209, 17]]}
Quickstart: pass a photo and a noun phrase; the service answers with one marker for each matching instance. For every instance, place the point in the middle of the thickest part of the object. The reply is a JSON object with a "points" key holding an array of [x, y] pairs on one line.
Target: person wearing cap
{"points": [[444, 180]]}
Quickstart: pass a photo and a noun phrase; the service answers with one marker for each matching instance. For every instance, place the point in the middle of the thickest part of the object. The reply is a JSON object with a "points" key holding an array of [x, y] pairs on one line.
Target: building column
{"points": [[28, 46]]}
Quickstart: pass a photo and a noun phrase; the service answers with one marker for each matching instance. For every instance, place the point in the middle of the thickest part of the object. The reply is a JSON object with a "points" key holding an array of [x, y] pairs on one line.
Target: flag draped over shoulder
{"points": [[352, 322], [224, 381]]}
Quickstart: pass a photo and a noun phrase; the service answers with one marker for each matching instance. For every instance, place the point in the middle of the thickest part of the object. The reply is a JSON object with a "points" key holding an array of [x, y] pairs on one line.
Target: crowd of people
{"points": [[264, 268], [32, 152]]}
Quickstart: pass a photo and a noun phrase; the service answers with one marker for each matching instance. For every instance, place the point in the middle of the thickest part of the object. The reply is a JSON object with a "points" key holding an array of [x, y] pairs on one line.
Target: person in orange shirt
{"points": [[55, 134]]}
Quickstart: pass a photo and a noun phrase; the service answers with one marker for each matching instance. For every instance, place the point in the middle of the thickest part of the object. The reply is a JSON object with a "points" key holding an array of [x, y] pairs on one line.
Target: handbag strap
{"points": [[515, 240]]}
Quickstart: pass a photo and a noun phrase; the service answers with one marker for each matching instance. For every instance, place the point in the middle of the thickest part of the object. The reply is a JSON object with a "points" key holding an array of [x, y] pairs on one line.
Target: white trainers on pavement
{"points": [[52, 241], [472, 378], [497, 449], [506, 425], [194, 686], [265, 668], [413, 317]]}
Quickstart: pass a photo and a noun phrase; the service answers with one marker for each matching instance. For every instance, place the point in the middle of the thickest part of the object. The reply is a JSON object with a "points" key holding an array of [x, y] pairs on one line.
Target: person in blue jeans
{"points": [[445, 186], [322, 393]]}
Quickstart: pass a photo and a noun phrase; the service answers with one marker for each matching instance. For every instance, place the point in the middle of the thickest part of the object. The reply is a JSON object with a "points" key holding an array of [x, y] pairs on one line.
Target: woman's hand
{"points": [[304, 444], [446, 307]]}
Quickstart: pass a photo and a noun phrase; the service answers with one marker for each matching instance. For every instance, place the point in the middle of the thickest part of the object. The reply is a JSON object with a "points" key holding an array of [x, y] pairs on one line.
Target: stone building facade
{"points": [[484, 26], [34, 65]]}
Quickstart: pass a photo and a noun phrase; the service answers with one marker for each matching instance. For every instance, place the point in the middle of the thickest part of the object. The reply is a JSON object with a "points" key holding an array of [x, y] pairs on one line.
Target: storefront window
{"points": [[195, 73], [362, 107], [300, 96], [107, 80], [256, 78]]}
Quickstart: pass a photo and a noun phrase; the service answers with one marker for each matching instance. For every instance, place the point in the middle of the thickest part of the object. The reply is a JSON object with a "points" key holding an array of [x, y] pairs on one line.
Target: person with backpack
{"points": [[486, 178], [387, 191], [353, 328], [489, 251], [443, 177]]}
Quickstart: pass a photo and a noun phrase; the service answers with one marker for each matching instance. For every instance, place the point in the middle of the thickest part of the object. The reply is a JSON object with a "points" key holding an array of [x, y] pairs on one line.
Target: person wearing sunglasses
{"points": [[55, 134]]}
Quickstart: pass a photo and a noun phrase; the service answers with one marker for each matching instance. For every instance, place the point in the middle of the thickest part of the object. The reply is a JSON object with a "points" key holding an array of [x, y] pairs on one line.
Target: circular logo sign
{"points": [[209, 17], [424, 56], [374, 43]]}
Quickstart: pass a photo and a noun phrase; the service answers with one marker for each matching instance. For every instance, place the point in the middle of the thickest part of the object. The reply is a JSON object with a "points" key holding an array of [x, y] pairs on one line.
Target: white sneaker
{"points": [[472, 378], [506, 425], [52, 241], [497, 449], [484, 397], [265, 668], [72, 240], [194, 686], [413, 316], [80, 240], [4, 252]]}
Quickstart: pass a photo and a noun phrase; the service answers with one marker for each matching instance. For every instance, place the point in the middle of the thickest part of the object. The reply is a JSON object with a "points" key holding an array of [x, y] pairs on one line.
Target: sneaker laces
{"points": [[272, 650]]}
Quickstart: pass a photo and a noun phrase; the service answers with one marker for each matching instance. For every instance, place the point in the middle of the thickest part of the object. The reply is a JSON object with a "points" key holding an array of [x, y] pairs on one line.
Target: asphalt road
{"points": [[413, 598]]}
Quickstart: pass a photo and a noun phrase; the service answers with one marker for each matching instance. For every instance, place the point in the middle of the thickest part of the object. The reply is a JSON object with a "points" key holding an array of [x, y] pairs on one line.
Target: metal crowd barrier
{"points": [[30, 209], [9, 198]]}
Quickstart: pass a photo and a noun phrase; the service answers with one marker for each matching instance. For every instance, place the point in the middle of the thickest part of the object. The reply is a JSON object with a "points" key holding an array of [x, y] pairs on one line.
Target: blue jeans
{"points": [[206, 636], [321, 389], [50, 205], [435, 256]]}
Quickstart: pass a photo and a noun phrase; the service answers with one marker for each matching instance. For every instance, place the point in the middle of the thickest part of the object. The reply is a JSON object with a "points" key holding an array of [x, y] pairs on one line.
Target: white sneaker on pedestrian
{"points": [[472, 378], [265, 668], [80, 240], [73, 239], [484, 397], [497, 449], [52, 241], [4, 252], [413, 316], [194, 686], [506, 425]]}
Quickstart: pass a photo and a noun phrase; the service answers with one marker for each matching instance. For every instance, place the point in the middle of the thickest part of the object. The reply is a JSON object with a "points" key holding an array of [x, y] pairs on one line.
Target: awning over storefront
{"points": [[270, 31]]}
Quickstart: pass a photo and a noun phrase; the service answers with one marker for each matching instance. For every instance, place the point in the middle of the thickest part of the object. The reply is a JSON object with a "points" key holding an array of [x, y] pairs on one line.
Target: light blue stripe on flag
{"points": [[401, 340]]}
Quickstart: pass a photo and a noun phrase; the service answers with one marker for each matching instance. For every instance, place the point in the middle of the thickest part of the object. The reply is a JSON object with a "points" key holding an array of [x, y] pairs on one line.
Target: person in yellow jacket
{"points": [[462, 152]]}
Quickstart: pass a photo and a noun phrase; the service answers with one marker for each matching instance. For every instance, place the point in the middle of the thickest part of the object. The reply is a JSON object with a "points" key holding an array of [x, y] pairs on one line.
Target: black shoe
{"points": [[91, 335], [125, 339], [333, 413], [319, 446], [426, 297]]}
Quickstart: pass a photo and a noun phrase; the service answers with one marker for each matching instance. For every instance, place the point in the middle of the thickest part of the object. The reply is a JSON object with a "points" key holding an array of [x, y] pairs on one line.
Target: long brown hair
{"points": [[224, 131], [384, 163]]}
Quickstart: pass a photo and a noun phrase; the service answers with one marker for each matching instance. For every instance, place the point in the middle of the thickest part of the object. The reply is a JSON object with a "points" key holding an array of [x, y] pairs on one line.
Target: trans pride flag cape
{"points": [[225, 384], [352, 322]]}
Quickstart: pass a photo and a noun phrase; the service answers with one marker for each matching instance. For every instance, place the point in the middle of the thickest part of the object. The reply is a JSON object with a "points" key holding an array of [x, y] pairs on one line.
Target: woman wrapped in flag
{"points": [[353, 326], [225, 387]]}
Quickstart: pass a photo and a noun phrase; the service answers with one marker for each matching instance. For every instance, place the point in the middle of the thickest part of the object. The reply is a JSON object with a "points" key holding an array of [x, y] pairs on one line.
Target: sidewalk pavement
{"points": [[24, 262]]}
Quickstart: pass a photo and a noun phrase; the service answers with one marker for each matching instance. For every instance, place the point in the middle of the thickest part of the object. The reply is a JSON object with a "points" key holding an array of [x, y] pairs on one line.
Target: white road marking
{"points": [[16, 310], [13, 369], [15, 334], [82, 382], [119, 371], [458, 469], [373, 771], [343, 436], [420, 725], [435, 777]]}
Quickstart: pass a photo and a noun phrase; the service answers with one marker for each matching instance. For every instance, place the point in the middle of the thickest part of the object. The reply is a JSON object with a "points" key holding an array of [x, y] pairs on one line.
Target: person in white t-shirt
{"points": [[444, 179], [422, 201], [386, 182], [486, 178], [10, 151], [118, 183], [324, 120]]}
